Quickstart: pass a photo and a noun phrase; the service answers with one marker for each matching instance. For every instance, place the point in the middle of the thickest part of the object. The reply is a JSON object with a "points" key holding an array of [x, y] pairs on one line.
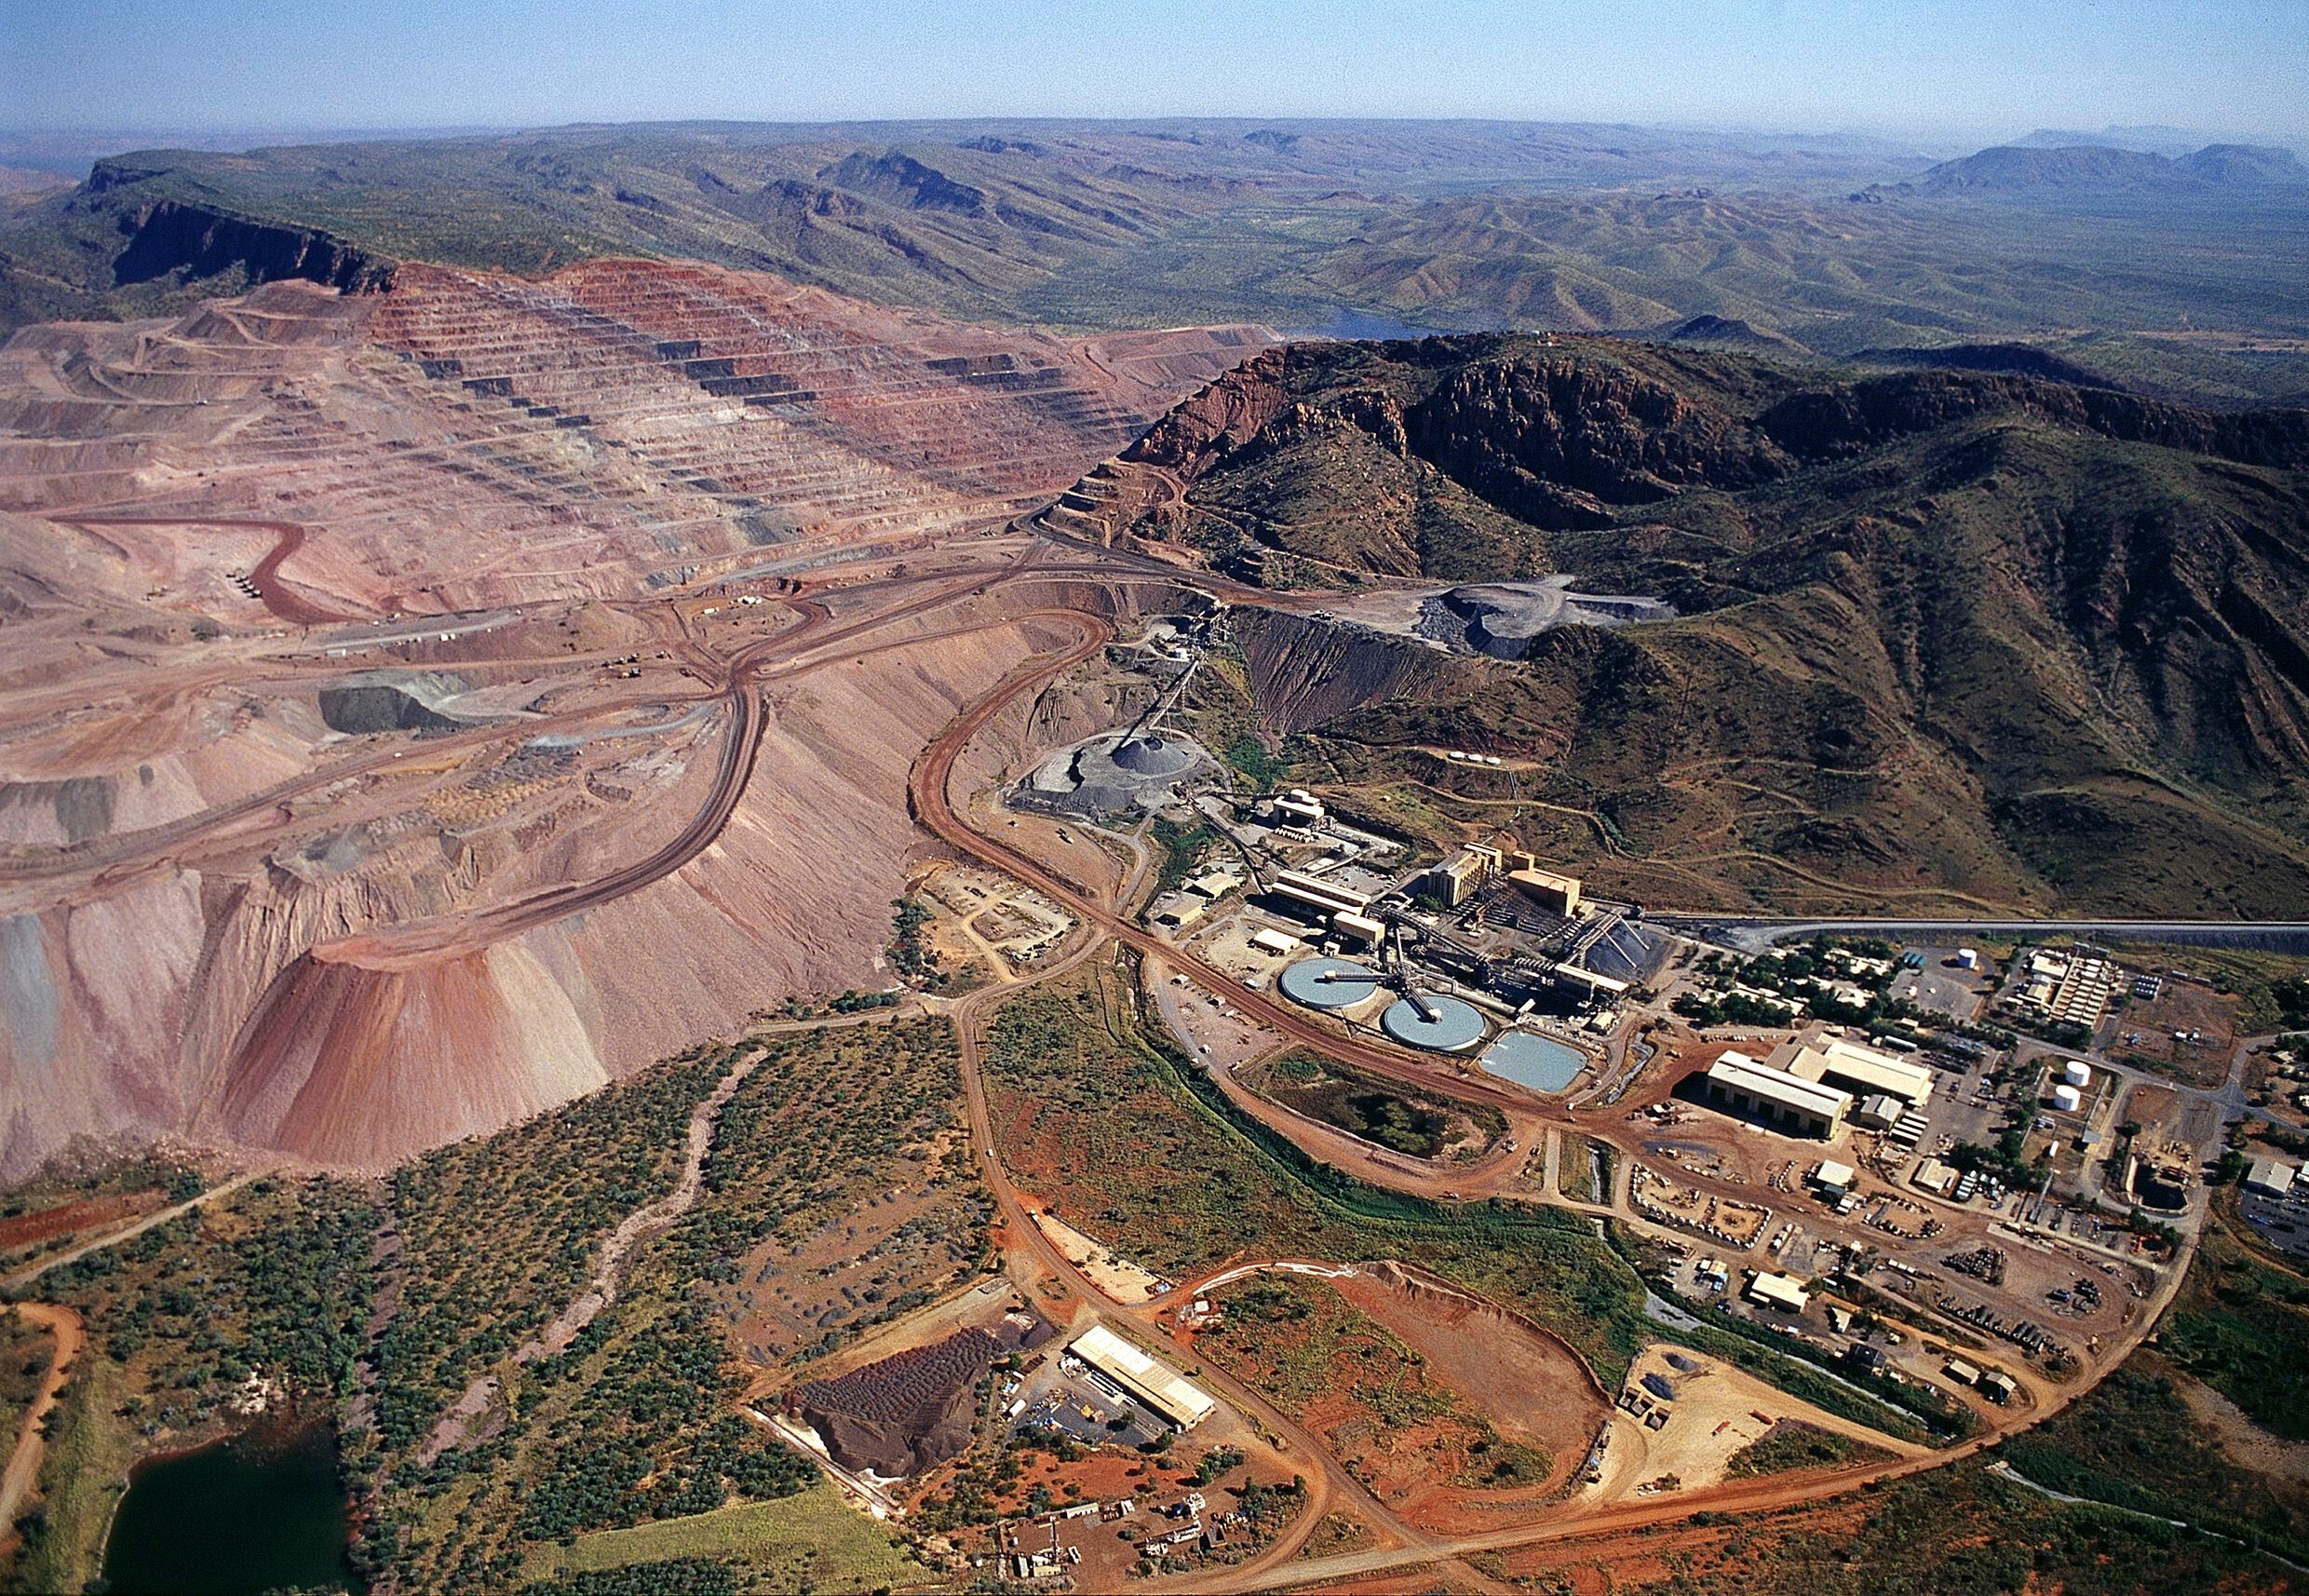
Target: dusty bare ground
{"points": [[1715, 1413], [216, 832], [1109, 1270]]}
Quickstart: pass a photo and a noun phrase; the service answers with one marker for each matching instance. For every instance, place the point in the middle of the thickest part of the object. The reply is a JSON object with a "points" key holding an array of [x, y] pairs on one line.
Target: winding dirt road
{"points": [[31, 1445], [273, 594]]}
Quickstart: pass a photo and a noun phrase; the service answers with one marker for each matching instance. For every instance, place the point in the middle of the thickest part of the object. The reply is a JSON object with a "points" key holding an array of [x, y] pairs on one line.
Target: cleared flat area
{"points": [[814, 1541]]}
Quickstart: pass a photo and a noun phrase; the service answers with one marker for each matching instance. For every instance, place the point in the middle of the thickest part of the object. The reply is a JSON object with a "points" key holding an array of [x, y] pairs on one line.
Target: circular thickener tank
{"points": [[1329, 983], [1439, 1025]]}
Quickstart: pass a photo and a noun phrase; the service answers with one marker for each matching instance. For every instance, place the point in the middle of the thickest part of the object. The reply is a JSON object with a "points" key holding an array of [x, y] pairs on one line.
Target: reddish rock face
{"points": [[594, 808]]}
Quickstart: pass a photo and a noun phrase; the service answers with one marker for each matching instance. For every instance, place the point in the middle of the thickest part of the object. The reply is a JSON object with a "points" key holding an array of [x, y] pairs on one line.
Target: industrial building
{"points": [[1456, 880], [1783, 1292], [1326, 898], [1880, 1111], [1298, 807], [1739, 1083], [1159, 1386], [1863, 1071], [2269, 1177], [1557, 894], [1834, 1178]]}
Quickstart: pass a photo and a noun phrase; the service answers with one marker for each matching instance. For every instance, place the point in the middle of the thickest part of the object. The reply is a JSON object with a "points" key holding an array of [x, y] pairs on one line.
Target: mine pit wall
{"points": [[192, 1005]]}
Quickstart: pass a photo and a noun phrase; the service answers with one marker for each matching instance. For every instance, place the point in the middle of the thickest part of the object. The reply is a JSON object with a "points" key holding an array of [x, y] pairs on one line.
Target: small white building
{"points": [[2270, 1177], [1834, 1178], [1783, 1292]]}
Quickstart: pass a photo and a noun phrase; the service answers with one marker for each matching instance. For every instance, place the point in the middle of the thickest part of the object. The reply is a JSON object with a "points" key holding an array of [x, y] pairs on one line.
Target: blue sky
{"points": [[1900, 65]]}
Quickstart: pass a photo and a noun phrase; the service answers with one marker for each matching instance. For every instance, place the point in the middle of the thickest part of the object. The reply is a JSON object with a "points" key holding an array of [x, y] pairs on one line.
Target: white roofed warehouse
{"points": [[1783, 1100], [1864, 1069], [1156, 1384]]}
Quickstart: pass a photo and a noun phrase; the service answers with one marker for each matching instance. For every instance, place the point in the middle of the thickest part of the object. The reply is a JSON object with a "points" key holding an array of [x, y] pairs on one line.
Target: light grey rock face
{"points": [[1501, 618]]}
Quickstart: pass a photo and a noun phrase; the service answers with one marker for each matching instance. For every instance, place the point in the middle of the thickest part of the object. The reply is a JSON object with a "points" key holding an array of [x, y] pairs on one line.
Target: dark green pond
{"points": [[260, 1511]]}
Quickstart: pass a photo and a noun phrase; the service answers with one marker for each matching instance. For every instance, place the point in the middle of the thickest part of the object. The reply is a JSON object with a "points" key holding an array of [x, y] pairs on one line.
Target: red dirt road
{"points": [[289, 606]]}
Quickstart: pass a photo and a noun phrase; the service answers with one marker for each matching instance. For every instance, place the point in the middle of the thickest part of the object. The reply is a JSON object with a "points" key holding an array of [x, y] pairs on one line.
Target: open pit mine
{"points": [[423, 706]]}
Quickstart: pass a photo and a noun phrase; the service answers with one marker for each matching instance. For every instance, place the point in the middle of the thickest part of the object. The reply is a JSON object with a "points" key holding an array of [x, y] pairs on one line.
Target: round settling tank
{"points": [[1329, 983], [1439, 1025]]}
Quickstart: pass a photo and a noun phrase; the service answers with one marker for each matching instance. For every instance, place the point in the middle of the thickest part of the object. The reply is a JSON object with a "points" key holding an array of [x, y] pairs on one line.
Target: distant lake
{"points": [[259, 1512], [1357, 324]]}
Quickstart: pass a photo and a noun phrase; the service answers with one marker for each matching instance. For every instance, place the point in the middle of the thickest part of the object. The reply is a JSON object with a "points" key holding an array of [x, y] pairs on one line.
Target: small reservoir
{"points": [[263, 1510], [1541, 1063]]}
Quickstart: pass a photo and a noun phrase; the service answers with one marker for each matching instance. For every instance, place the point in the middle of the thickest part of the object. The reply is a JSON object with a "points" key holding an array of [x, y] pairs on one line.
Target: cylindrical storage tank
{"points": [[1967, 959], [2077, 1072], [2067, 1099]]}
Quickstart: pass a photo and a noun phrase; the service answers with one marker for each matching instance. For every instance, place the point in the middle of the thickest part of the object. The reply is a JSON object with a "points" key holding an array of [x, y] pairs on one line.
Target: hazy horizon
{"points": [[1921, 71]]}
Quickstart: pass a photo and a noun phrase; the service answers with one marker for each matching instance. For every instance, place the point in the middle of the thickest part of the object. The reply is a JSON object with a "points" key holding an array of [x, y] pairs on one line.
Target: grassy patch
{"points": [[2239, 1326], [1576, 1168], [1791, 1445], [1422, 1125], [1181, 846], [2133, 1442], [839, 1194], [1952, 1532], [497, 1232], [814, 1541], [1129, 1144]]}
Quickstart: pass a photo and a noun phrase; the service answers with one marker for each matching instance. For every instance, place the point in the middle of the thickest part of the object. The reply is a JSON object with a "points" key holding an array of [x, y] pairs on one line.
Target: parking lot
{"points": [[1067, 1394]]}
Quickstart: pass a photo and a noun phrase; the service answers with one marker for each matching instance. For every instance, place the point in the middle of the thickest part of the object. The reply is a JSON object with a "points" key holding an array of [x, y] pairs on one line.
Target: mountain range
{"points": [[1947, 638], [2188, 278]]}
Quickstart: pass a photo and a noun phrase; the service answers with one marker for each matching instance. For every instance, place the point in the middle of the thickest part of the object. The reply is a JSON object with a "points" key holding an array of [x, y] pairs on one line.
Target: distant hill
{"points": [[2153, 138], [2243, 164], [2008, 169], [1721, 332], [2032, 643], [2017, 359], [1299, 223], [2101, 167]]}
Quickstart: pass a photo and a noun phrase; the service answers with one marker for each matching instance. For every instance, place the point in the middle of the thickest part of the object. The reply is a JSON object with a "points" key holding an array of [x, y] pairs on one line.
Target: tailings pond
{"points": [[1540, 1062], [263, 1510]]}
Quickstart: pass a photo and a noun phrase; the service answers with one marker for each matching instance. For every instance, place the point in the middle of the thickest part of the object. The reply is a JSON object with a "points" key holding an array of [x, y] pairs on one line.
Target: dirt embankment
{"points": [[1307, 672]]}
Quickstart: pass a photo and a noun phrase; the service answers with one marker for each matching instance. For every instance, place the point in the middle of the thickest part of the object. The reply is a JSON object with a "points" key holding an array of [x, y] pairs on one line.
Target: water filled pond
{"points": [[1353, 324], [259, 1511], [1540, 1062]]}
